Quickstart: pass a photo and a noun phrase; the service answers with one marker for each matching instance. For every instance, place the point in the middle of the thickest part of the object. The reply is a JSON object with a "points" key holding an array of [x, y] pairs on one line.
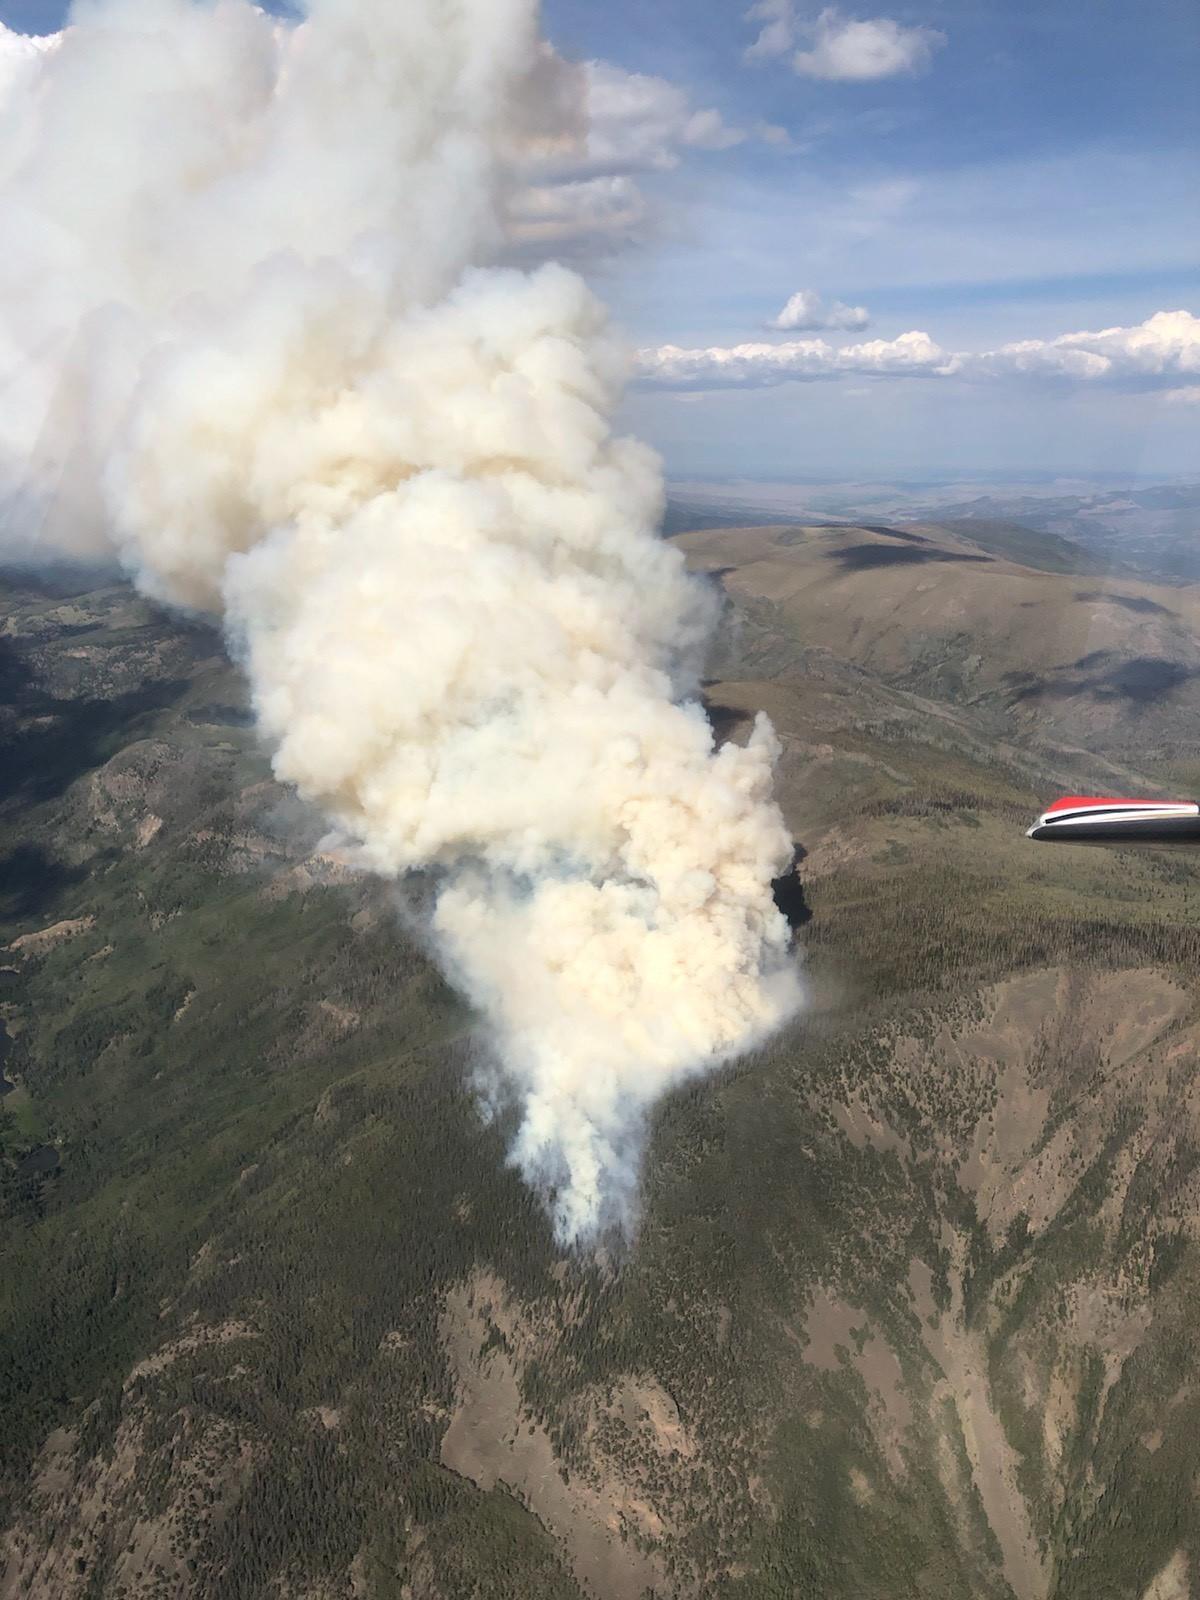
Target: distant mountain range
{"points": [[1153, 528]]}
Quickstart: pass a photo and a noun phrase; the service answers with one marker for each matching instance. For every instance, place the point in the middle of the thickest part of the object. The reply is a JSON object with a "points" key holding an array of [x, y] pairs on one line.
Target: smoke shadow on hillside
{"points": [[53, 579], [15, 675], [804, 535], [67, 737], [1100, 676], [893, 533], [220, 715], [1130, 602], [724, 720], [864, 557], [31, 880]]}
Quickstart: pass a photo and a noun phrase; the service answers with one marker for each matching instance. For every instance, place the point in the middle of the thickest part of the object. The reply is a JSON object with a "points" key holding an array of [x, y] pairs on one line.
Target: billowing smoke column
{"points": [[245, 340]]}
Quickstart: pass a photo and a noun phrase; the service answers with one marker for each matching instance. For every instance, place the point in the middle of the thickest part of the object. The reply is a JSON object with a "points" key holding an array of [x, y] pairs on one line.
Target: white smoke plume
{"points": [[250, 341]]}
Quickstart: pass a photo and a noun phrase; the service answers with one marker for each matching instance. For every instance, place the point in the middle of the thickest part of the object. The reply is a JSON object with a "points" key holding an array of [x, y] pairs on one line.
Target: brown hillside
{"points": [[1063, 658]]}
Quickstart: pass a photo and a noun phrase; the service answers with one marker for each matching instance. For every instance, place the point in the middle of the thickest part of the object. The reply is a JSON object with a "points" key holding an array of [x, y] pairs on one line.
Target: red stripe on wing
{"points": [[1074, 802]]}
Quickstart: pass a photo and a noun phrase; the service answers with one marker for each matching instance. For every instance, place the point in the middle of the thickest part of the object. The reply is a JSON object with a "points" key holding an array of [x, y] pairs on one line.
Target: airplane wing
{"points": [[1091, 819]]}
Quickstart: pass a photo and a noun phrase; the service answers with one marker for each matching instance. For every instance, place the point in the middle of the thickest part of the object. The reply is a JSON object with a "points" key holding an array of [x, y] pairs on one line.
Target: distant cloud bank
{"points": [[1163, 349], [838, 48], [756, 366]]}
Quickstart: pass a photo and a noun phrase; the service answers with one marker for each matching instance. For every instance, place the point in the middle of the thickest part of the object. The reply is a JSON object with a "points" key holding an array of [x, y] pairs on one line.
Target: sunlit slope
{"points": [[911, 1308], [1058, 656]]}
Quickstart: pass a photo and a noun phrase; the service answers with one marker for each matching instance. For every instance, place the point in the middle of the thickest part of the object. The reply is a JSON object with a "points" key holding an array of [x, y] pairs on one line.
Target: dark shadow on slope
{"points": [[63, 580], [221, 716], [1130, 602], [38, 1163], [48, 740], [1099, 676], [15, 675], [725, 720], [788, 893], [865, 557], [804, 535], [31, 880], [71, 737], [893, 533]]}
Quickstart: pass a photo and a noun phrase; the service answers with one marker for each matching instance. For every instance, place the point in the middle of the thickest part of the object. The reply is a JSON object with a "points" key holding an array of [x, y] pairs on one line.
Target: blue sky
{"points": [[1038, 176], [1022, 169]]}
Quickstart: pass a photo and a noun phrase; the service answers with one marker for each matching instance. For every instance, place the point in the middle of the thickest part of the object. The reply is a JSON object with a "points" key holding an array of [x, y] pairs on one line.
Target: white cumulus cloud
{"points": [[840, 48], [637, 120], [846, 50], [806, 312], [778, 32]]}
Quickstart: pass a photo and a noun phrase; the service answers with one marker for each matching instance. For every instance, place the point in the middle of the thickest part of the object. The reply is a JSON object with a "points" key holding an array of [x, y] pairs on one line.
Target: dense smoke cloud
{"points": [[250, 341]]}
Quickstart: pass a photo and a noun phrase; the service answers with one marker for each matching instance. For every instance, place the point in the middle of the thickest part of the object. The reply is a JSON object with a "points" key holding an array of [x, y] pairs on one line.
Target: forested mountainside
{"points": [[910, 1307]]}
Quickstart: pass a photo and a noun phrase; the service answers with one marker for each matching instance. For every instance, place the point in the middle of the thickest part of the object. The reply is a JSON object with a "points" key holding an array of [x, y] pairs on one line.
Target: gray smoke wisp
{"points": [[250, 340]]}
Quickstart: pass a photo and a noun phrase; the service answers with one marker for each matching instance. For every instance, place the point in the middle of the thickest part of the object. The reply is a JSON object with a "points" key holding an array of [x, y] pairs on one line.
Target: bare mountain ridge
{"points": [[1056, 656]]}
